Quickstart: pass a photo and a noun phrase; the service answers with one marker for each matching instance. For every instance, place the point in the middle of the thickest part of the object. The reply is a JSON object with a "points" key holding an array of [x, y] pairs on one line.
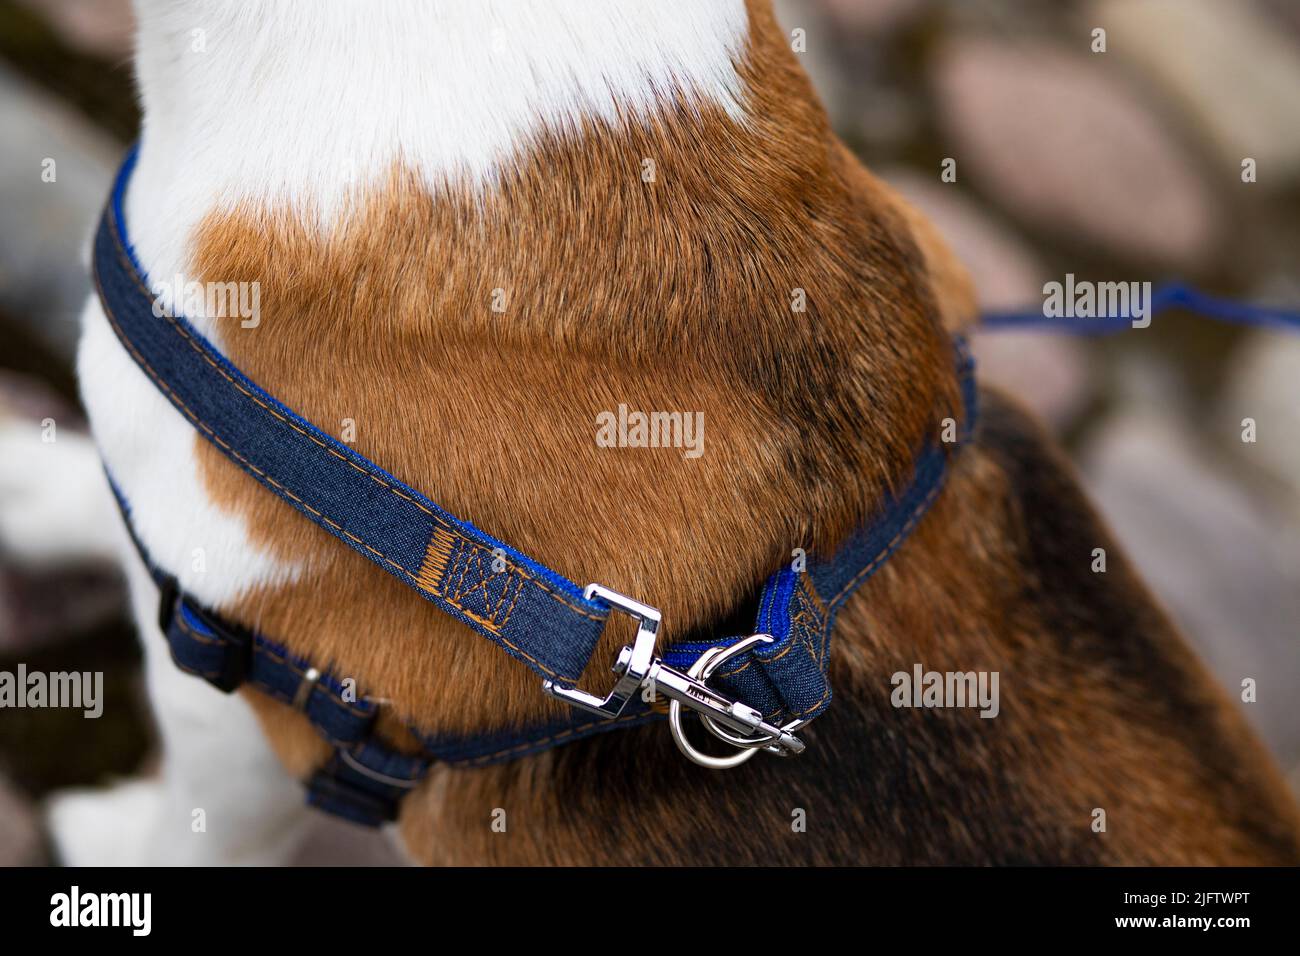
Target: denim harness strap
{"points": [[532, 613]]}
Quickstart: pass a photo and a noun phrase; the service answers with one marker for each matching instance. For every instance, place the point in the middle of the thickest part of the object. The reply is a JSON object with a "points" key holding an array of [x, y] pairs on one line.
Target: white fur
{"points": [[148, 448], [303, 104], [306, 104]]}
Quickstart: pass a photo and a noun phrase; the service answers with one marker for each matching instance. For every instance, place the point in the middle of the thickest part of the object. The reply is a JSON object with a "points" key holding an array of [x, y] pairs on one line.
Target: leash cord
{"points": [[1171, 295]]}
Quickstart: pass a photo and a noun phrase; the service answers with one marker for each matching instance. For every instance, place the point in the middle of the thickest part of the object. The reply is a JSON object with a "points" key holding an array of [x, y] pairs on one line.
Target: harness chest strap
{"points": [[366, 778], [532, 613]]}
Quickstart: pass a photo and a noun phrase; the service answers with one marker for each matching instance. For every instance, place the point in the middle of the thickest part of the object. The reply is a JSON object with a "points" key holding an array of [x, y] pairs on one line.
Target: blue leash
{"points": [[1171, 295]]}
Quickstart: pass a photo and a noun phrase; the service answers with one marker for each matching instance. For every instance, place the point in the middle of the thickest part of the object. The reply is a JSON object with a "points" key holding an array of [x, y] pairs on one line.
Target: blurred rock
{"points": [[41, 602], [1218, 553], [102, 27], [886, 119], [45, 227], [1287, 13], [1230, 66], [1065, 145], [26, 397], [1006, 272], [1047, 371], [41, 609], [20, 834], [818, 59], [874, 16], [1264, 385]]}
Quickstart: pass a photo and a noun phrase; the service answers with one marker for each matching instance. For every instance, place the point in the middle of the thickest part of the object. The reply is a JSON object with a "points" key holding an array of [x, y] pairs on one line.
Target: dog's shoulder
{"points": [[1109, 744]]}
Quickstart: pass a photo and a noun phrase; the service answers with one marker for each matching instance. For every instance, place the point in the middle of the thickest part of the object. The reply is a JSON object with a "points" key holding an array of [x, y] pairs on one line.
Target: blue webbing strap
{"points": [[787, 679], [533, 613], [365, 779], [529, 611], [799, 608]]}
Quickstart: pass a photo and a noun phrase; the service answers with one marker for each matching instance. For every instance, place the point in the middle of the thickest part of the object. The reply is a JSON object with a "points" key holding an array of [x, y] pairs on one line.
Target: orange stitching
{"points": [[459, 556], [902, 532], [481, 584], [491, 624], [792, 646], [519, 589], [201, 638], [807, 585], [486, 622], [741, 669], [821, 701], [816, 610], [436, 556], [798, 642], [453, 596], [471, 556], [799, 615]]}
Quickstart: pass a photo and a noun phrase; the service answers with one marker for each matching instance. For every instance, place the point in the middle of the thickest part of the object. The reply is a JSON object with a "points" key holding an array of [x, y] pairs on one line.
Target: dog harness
{"points": [[752, 691]]}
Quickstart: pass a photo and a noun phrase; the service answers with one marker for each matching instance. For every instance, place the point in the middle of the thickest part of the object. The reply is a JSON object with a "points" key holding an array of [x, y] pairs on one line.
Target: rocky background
{"points": [[1115, 166]]}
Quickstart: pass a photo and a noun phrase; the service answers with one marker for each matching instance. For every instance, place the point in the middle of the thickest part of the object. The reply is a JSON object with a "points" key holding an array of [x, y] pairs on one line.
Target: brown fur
{"points": [[1102, 707], [675, 295]]}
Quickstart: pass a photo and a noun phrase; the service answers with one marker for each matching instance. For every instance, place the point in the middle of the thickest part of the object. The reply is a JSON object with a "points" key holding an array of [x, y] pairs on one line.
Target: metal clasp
{"points": [[749, 732], [633, 664], [729, 720]]}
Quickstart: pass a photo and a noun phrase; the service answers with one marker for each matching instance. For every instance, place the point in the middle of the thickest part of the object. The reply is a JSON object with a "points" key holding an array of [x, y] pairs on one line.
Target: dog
{"points": [[475, 229]]}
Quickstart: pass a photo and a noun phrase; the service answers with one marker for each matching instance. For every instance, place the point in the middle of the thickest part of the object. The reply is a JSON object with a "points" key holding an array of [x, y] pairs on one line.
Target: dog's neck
{"points": [[657, 193], [310, 104]]}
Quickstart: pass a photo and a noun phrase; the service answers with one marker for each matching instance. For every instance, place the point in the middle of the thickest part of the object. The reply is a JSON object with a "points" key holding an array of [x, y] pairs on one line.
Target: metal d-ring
{"points": [[701, 670], [638, 668], [711, 661]]}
